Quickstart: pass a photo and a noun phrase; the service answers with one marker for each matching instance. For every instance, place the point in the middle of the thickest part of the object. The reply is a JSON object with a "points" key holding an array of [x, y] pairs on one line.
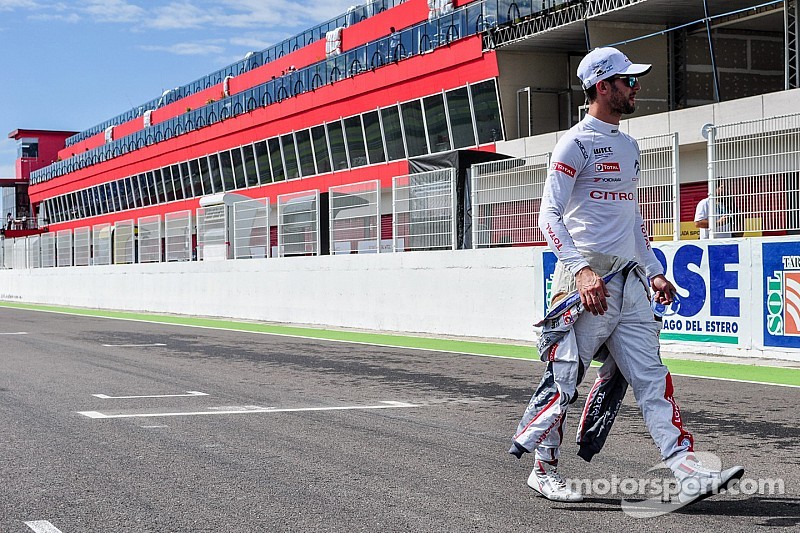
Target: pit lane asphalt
{"points": [[440, 466]]}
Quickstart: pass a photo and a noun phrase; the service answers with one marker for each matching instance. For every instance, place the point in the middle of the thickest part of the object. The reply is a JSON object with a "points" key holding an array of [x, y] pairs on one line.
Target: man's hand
{"points": [[663, 289], [593, 291]]}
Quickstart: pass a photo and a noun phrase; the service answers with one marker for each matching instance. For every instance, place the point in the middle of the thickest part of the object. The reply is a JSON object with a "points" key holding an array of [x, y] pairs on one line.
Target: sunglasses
{"points": [[630, 81]]}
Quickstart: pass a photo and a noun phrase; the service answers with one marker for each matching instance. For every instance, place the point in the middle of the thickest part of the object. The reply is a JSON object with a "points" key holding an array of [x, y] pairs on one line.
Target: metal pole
{"points": [[676, 189], [453, 210], [711, 52], [712, 193]]}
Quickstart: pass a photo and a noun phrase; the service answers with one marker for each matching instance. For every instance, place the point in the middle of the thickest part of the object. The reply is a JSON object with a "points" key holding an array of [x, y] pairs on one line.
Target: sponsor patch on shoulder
{"points": [[558, 166]]}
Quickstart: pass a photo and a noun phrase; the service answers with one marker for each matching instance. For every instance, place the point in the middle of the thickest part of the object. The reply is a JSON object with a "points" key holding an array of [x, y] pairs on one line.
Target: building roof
{"points": [[19, 133]]}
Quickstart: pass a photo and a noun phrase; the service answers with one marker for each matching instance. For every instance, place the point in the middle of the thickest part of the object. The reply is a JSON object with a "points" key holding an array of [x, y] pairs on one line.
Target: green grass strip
{"points": [[699, 337], [746, 372]]}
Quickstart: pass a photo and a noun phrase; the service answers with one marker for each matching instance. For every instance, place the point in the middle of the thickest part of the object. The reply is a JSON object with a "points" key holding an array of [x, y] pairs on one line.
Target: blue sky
{"points": [[70, 65]]}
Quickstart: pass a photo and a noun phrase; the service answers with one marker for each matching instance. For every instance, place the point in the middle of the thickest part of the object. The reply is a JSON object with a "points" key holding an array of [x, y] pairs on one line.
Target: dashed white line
{"points": [[188, 393], [42, 526], [250, 409], [15, 333], [133, 345]]}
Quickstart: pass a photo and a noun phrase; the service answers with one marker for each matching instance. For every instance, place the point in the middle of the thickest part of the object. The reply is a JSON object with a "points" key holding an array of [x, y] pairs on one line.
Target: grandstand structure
{"points": [[407, 125]]}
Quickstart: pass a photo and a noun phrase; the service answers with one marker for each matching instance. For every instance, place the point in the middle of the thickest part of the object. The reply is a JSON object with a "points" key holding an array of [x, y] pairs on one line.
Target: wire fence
{"points": [[423, 211], [298, 224], [355, 218], [506, 196]]}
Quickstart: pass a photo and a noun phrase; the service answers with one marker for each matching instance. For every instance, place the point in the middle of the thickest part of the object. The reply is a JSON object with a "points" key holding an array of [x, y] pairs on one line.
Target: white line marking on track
{"points": [[133, 345], [42, 526], [249, 409], [188, 393], [739, 381], [15, 333], [364, 343]]}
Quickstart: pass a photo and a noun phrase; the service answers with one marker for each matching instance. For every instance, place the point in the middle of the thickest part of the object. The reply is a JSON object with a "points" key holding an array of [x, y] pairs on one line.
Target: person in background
{"points": [[723, 213], [9, 221]]}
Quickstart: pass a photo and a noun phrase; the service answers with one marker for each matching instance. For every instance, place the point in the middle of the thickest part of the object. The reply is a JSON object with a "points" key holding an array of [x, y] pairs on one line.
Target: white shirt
{"points": [[590, 203], [701, 213]]}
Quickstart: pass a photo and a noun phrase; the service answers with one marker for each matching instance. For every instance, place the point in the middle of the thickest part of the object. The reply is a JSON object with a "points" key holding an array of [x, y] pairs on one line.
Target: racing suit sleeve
{"points": [[566, 163], [644, 251]]}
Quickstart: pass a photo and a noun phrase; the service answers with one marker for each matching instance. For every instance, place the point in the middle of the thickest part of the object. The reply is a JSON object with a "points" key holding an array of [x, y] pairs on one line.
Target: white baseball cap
{"points": [[602, 63]]}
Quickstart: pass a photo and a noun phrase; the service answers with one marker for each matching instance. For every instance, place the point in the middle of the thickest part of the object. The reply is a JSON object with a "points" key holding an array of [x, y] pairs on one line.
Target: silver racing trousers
{"points": [[628, 332]]}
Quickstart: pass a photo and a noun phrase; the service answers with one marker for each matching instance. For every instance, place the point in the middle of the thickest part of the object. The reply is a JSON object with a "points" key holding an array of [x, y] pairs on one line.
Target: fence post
{"points": [[676, 189], [712, 200]]}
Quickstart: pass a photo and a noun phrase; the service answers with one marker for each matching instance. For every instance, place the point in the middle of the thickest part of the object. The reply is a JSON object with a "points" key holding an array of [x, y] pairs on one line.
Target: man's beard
{"points": [[619, 103]]}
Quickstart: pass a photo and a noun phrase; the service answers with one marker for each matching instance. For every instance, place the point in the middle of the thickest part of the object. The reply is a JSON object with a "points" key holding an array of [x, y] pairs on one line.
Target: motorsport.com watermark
{"points": [[648, 497]]}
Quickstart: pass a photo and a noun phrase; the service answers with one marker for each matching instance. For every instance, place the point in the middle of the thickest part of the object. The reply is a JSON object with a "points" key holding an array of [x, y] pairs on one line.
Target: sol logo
{"points": [[783, 303]]}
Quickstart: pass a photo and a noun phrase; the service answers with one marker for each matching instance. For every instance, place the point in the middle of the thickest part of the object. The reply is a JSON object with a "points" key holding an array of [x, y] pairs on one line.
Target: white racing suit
{"points": [[625, 339], [590, 217]]}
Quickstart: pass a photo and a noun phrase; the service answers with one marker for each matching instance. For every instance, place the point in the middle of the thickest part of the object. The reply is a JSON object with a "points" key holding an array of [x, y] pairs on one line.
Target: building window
{"points": [[276, 159], [338, 149], [305, 153], [262, 162], [28, 148], [290, 156], [393, 133], [459, 111], [321, 155], [355, 141], [372, 132], [436, 122], [250, 165], [414, 128], [487, 112], [239, 176]]}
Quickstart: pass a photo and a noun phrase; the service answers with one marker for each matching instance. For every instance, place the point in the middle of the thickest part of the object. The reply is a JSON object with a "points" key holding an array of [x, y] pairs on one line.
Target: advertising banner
{"points": [[713, 284], [781, 294]]}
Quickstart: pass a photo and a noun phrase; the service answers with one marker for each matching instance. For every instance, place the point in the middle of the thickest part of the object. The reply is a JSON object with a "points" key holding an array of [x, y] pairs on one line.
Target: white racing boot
{"points": [[546, 480], [698, 482]]}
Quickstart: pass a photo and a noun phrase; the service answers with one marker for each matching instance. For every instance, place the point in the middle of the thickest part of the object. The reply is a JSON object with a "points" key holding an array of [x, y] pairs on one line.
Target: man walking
{"points": [[591, 219]]}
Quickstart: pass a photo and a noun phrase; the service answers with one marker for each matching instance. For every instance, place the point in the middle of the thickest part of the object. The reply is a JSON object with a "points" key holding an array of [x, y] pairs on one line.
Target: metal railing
{"points": [[48, 243], [424, 211], [150, 239], [83, 246], [34, 252], [178, 236], [212, 233], [124, 242], [754, 177], [659, 200], [251, 229], [101, 244], [252, 60], [298, 224], [506, 196], [64, 248], [415, 40], [355, 218]]}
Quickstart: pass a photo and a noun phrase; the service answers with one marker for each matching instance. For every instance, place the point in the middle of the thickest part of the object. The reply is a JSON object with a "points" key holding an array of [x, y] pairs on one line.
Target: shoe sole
{"points": [[734, 478], [540, 493]]}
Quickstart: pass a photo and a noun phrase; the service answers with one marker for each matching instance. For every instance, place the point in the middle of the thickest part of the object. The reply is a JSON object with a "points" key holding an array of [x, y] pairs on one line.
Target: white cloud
{"points": [[186, 49], [10, 5], [115, 11]]}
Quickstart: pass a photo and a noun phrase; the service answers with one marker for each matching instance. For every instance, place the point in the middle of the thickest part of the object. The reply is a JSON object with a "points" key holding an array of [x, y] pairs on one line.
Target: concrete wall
{"points": [[737, 295], [479, 293]]}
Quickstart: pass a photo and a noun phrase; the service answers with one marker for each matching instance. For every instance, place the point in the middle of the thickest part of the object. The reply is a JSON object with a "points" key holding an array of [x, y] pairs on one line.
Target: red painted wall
{"points": [[50, 142], [418, 76], [405, 15]]}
